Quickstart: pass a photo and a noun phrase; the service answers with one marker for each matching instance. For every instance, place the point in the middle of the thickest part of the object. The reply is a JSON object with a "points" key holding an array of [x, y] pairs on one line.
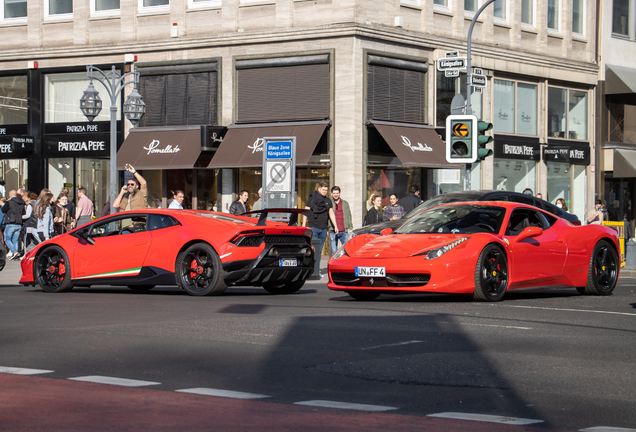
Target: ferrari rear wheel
{"points": [[491, 274], [52, 270], [289, 288], [603, 272], [364, 295], [199, 270]]}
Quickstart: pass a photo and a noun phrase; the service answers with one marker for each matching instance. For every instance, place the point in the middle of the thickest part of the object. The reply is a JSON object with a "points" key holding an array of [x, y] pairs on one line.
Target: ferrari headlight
{"points": [[436, 253], [339, 253]]}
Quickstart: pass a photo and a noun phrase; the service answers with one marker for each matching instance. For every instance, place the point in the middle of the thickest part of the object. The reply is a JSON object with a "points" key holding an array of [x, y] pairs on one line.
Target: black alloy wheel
{"points": [[603, 270], [491, 274], [199, 270], [52, 270]]}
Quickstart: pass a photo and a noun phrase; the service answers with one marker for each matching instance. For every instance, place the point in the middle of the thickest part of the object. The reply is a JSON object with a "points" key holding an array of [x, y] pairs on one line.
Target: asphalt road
{"points": [[564, 360]]}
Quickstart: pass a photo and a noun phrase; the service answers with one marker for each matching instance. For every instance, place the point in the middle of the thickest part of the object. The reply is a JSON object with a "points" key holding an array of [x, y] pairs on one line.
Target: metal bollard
{"points": [[317, 255], [630, 255]]}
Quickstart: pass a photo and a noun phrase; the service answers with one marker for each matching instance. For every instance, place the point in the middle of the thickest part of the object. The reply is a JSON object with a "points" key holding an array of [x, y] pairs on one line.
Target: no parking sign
{"points": [[279, 172]]}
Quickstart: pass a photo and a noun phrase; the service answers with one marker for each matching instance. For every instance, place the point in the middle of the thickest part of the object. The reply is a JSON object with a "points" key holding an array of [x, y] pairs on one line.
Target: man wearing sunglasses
{"points": [[342, 213], [134, 194]]}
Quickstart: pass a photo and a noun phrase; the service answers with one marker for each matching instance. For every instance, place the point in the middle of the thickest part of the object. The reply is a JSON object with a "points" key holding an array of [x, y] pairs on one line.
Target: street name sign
{"points": [[478, 80], [279, 173], [450, 73], [451, 63]]}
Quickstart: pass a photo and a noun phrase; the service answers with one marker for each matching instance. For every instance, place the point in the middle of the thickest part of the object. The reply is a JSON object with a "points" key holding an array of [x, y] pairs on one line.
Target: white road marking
{"points": [[22, 371], [486, 418], [573, 310], [223, 393], [345, 405], [393, 344], [494, 325], [114, 381], [606, 429]]}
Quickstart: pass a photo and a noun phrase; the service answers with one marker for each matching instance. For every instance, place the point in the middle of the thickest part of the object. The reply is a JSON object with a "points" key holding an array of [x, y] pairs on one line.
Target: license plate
{"points": [[371, 271], [288, 262]]}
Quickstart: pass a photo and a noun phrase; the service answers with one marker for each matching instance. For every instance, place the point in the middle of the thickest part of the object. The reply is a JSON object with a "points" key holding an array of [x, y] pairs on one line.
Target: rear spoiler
{"points": [[293, 219]]}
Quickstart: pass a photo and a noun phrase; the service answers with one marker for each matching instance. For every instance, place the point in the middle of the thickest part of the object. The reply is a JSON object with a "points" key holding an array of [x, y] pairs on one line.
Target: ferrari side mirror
{"points": [[529, 232], [386, 231]]}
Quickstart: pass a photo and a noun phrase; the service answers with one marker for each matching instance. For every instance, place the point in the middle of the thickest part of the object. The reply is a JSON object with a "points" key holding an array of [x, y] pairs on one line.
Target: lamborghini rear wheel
{"points": [[491, 274], [199, 271]]}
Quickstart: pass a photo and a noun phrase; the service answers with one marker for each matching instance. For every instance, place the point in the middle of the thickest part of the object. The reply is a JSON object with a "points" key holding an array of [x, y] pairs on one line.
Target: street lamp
{"points": [[91, 106]]}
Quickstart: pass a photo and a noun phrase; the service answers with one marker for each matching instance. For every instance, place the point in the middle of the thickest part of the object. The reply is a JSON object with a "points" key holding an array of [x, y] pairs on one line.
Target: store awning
{"points": [[161, 148], [243, 144], [416, 146], [624, 163], [620, 80]]}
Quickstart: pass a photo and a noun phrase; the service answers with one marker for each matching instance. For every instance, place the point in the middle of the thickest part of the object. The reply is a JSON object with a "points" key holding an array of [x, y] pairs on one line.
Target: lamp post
{"points": [[134, 109]]}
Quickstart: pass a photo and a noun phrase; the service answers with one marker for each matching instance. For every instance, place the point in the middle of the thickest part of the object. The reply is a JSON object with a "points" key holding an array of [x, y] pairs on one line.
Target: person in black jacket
{"points": [[374, 215], [411, 200], [240, 206], [14, 209]]}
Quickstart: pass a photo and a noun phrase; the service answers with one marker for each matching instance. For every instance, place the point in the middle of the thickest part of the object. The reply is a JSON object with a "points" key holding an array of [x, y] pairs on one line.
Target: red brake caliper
{"points": [[198, 269]]}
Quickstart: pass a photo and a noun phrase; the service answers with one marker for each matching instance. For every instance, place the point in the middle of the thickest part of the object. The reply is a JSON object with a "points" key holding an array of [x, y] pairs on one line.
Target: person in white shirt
{"points": [[177, 202]]}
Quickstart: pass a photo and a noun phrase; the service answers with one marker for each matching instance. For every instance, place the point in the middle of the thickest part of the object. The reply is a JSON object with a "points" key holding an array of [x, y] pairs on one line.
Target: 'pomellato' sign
{"points": [[153, 147]]}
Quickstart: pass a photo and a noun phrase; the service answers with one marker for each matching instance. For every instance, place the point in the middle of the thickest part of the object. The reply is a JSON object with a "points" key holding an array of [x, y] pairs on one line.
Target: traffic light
{"points": [[461, 138], [483, 139]]}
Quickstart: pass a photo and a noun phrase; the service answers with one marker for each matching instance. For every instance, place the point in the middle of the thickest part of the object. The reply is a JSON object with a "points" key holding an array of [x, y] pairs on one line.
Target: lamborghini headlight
{"points": [[339, 253], [436, 253]]}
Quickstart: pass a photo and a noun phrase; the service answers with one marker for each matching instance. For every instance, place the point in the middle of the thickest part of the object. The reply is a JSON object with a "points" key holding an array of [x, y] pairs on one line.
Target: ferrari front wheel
{"points": [[288, 288], [603, 270], [52, 270], [364, 295], [199, 272], [491, 274]]}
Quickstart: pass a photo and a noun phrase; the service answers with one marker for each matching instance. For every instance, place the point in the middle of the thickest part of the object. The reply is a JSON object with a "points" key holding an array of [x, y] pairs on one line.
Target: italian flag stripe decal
{"points": [[129, 272]]}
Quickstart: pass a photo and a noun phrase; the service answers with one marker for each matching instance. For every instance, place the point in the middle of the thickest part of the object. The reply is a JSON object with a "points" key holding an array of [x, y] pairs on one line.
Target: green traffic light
{"points": [[483, 126], [483, 153], [483, 139]]}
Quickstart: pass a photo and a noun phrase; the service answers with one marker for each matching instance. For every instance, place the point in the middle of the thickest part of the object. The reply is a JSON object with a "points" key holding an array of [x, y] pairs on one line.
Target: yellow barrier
{"points": [[620, 228]]}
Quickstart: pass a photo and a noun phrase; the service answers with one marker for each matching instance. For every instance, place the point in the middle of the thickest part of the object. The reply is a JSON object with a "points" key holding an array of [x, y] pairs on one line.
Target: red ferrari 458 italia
{"points": [[479, 248], [202, 252]]}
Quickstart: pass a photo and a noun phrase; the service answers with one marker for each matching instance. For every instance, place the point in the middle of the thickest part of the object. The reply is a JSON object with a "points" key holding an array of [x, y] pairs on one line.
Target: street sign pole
{"points": [[468, 86]]}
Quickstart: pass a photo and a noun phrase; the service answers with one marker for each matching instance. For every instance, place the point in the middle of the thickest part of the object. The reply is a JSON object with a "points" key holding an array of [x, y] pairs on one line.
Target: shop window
{"points": [[14, 173], [447, 88], [386, 181], [558, 182], [578, 7], [515, 107], [527, 12], [452, 180], [13, 100], [514, 175], [500, 9], [621, 122], [207, 190], [105, 6], [59, 7], [62, 175], [14, 9], [62, 93], [567, 113], [154, 183], [620, 17], [553, 14], [180, 179], [94, 175], [179, 99]]}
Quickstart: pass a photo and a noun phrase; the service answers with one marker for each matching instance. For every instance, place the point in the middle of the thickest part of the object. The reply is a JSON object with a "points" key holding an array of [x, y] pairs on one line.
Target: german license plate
{"points": [[370, 272], [288, 262]]}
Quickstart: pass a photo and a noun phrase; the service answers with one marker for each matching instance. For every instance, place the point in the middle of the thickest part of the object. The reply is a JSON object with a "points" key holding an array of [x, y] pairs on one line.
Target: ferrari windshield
{"points": [[455, 219]]}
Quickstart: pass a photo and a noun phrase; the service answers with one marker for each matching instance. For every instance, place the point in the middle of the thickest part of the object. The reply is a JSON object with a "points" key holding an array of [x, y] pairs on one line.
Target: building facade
{"points": [[354, 80]]}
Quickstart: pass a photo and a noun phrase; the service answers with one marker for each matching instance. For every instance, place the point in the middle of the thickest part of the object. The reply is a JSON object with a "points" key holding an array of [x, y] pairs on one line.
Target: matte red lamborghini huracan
{"points": [[483, 248], [202, 252]]}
